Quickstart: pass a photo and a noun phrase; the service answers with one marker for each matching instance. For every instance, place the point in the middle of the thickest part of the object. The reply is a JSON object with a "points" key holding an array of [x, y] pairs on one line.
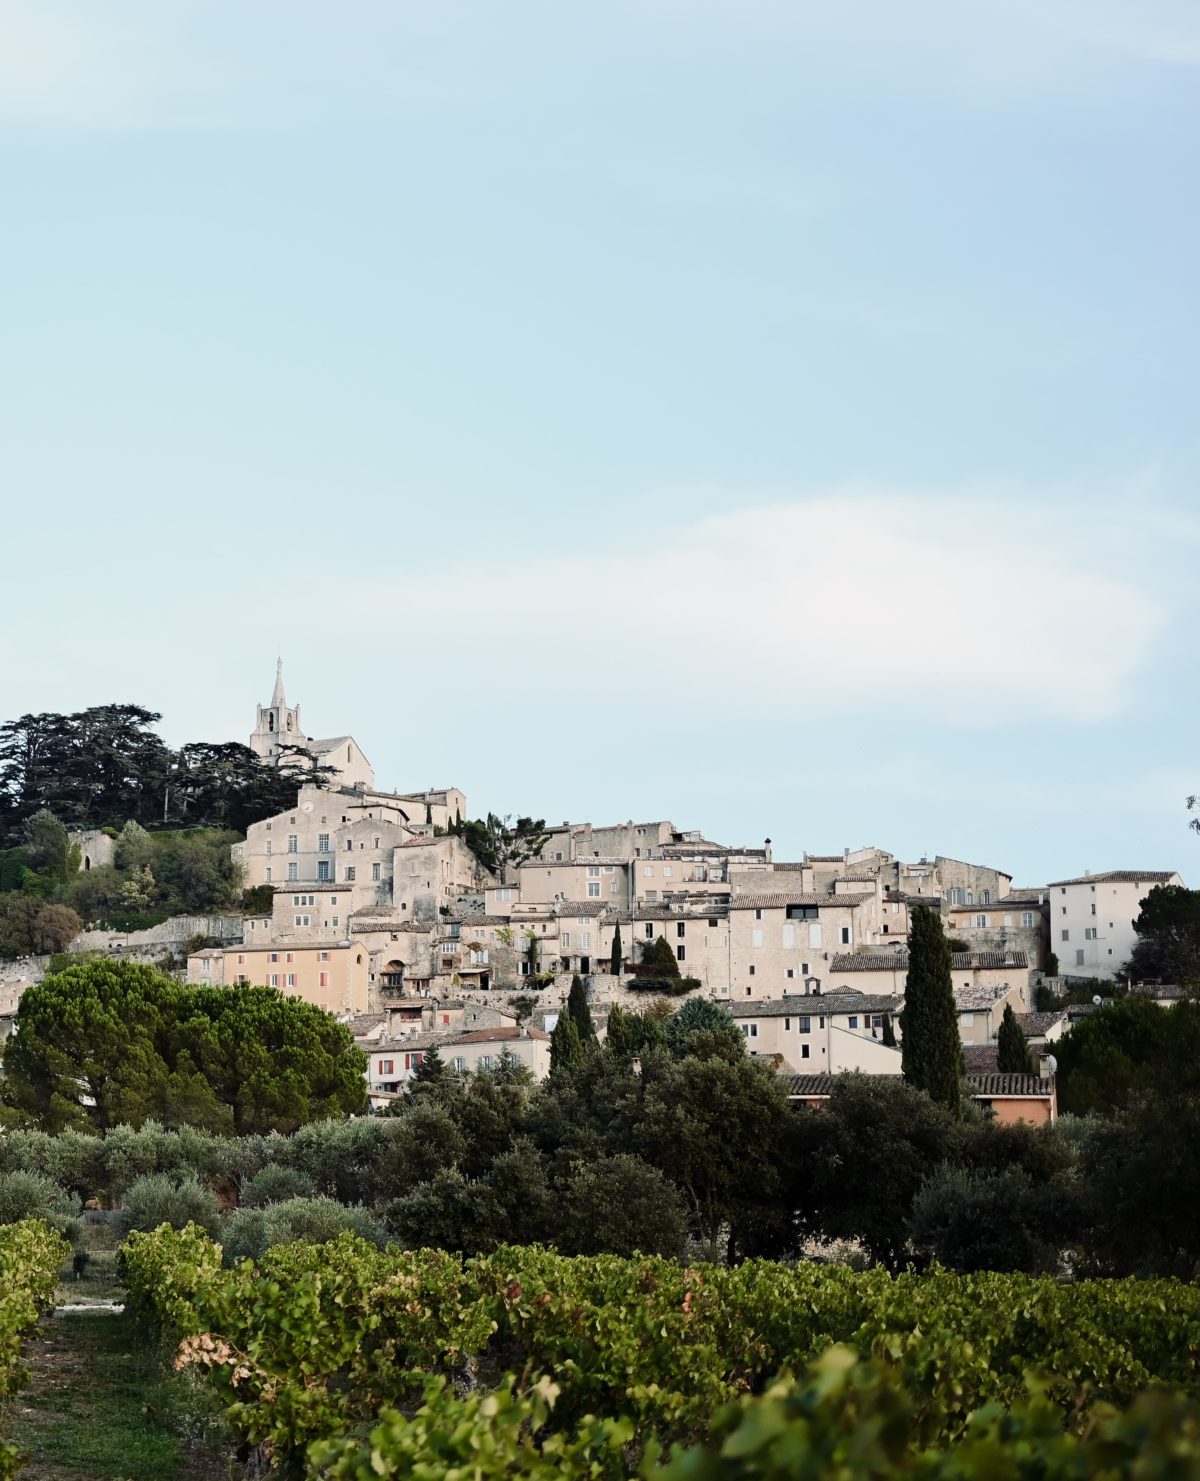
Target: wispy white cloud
{"points": [[976, 612]]}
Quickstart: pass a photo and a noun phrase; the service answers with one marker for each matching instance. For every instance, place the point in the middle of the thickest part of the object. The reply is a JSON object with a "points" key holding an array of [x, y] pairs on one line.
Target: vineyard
{"points": [[341, 1360], [30, 1256]]}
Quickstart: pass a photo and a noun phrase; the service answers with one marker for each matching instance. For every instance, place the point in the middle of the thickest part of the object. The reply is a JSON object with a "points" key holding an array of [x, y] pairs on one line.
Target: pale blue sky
{"points": [[781, 418]]}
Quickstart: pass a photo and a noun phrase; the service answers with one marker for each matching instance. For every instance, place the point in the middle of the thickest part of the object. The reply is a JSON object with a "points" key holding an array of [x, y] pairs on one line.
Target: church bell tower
{"points": [[277, 724]]}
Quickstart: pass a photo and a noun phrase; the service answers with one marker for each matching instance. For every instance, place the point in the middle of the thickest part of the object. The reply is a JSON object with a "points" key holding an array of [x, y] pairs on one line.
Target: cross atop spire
{"points": [[277, 699]]}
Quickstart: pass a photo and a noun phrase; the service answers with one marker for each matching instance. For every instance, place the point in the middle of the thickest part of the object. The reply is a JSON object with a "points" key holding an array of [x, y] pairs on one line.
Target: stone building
{"points": [[278, 732], [1091, 918]]}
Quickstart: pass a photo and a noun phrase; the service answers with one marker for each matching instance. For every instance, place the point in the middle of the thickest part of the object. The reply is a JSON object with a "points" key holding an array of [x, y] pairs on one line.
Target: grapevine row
{"points": [[316, 1341], [31, 1255]]}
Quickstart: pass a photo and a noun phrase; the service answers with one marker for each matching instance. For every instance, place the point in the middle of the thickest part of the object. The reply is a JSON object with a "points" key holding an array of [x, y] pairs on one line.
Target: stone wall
{"points": [[166, 935]]}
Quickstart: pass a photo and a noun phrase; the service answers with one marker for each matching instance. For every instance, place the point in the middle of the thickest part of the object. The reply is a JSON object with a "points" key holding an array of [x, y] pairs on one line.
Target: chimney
{"points": [[767, 849]]}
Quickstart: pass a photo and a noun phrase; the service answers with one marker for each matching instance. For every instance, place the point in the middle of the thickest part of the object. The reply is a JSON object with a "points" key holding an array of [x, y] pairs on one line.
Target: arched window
{"points": [[271, 722]]}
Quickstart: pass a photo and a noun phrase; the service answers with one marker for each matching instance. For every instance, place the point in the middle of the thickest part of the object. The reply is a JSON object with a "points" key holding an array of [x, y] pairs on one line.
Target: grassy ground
{"points": [[98, 1406]]}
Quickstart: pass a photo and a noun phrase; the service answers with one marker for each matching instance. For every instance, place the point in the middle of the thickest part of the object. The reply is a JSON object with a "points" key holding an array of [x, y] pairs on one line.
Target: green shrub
{"points": [[249, 1232], [275, 1184], [160, 1199], [30, 1195]]}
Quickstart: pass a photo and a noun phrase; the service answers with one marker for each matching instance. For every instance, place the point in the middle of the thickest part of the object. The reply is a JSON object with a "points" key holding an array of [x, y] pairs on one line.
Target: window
{"points": [[1093, 907], [757, 914], [805, 1023], [459, 1063], [593, 871], [1066, 935], [668, 872], [1090, 934], [349, 845], [801, 912], [648, 871], [333, 899], [268, 848], [566, 938], [593, 889], [1079, 957], [295, 899], [804, 968], [649, 931], [756, 938], [349, 873], [751, 973], [712, 922], [273, 979], [503, 894], [241, 959], [981, 922], [323, 873], [289, 956], [609, 868], [845, 935], [293, 871], [750, 1030], [680, 952], [803, 1051], [386, 1066], [291, 979], [293, 843], [854, 1020], [322, 956], [323, 979], [681, 928], [334, 921], [274, 956], [322, 843], [814, 934], [268, 876], [375, 871], [300, 920], [790, 972], [789, 935]]}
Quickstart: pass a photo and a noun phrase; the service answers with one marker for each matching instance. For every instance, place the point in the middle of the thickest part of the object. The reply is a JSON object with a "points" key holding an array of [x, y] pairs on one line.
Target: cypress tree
{"points": [[661, 958], [567, 1054], [931, 1052], [1012, 1051], [889, 1032], [578, 1010], [615, 961]]}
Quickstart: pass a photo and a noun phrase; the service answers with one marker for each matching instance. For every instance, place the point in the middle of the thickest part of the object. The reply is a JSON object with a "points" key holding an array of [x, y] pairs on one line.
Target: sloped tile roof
{"points": [[984, 1086], [825, 900], [1119, 876]]}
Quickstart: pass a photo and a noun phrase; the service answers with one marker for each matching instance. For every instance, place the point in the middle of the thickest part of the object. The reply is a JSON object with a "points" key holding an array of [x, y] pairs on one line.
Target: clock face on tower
{"points": [[308, 807]]}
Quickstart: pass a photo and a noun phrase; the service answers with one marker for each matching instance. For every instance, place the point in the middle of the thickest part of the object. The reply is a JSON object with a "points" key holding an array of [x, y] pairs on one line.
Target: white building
{"points": [[1091, 918]]}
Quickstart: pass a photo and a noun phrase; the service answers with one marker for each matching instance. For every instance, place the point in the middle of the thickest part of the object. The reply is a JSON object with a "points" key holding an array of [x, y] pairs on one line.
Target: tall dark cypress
{"points": [[578, 1010], [615, 961], [1012, 1050], [931, 1051]]}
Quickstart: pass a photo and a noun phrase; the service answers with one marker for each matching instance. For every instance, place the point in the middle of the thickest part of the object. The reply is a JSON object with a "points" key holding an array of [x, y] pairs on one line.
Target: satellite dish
{"points": [[1052, 1065], [1097, 1000]]}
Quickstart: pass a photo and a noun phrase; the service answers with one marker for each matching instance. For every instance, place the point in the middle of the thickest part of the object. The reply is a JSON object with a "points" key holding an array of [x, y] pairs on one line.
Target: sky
{"points": [[781, 418]]}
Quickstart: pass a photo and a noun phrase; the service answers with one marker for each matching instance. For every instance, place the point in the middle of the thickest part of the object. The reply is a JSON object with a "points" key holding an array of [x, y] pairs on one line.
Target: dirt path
{"points": [[97, 1407]]}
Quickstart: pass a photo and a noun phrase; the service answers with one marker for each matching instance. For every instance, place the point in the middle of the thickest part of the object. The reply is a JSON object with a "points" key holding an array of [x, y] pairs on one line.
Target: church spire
{"points": [[277, 699]]}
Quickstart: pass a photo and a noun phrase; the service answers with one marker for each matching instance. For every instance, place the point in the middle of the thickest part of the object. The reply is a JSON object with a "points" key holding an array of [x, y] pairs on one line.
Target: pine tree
{"points": [[581, 1014], [615, 961], [429, 1073], [1012, 1051], [567, 1054], [931, 1052], [889, 1032]]}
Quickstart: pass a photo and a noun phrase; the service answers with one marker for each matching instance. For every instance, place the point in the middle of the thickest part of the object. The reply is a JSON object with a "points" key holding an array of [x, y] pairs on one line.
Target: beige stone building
{"points": [[331, 975], [826, 1033], [1091, 918], [392, 1063]]}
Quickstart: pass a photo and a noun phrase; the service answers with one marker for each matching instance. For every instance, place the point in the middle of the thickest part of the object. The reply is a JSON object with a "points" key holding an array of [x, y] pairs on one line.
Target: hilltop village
{"points": [[382, 913]]}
